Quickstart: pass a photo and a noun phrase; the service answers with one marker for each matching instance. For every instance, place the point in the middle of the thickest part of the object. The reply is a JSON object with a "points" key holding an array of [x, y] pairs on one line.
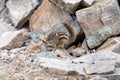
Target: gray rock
{"points": [[87, 3], [46, 54], [67, 5], [20, 10], [13, 39], [98, 78], [36, 35], [112, 44], [114, 76], [78, 52], [4, 27], [100, 21], [61, 67], [98, 62], [2, 4]]}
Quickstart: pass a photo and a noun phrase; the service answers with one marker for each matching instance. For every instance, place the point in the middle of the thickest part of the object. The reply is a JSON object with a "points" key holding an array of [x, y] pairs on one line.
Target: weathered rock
{"points": [[98, 78], [77, 52], [98, 62], [117, 49], [62, 53], [67, 5], [61, 67], [13, 39], [84, 46], [114, 76], [37, 36], [107, 67], [51, 22], [100, 21], [2, 5], [4, 27], [87, 3], [34, 47], [20, 10], [45, 54], [5, 16], [112, 44]]}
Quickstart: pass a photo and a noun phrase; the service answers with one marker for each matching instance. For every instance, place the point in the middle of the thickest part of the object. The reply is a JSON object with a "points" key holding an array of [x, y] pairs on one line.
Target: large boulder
{"points": [[20, 10], [2, 4], [48, 18], [67, 5], [112, 44], [103, 62], [13, 39], [4, 27], [61, 67], [100, 21]]}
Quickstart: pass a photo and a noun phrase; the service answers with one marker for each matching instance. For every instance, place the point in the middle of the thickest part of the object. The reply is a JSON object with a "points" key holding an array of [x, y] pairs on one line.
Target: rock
{"points": [[100, 21], [114, 76], [95, 67], [67, 5], [84, 46], [61, 67], [77, 52], [4, 15], [116, 49], [62, 53], [13, 39], [4, 27], [98, 78], [34, 47], [45, 54], [98, 62], [2, 4], [37, 36], [87, 3], [112, 44], [20, 10], [51, 22]]}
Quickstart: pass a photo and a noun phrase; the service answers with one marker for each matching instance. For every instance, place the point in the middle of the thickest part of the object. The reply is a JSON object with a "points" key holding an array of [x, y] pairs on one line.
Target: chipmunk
{"points": [[61, 39]]}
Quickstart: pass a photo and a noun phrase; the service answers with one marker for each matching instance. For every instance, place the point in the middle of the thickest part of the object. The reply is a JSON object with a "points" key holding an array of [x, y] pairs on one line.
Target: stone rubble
{"points": [[27, 54]]}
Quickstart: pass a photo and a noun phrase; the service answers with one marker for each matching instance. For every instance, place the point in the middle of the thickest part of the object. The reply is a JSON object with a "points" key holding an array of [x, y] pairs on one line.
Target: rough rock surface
{"points": [[2, 5], [98, 62], [67, 5], [100, 21], [13, 39], [29, 55], [20, 10], [4, 27], [62, 67], [112, 44], [98, 78], [77, 52], [51, 21], [87, 3]]}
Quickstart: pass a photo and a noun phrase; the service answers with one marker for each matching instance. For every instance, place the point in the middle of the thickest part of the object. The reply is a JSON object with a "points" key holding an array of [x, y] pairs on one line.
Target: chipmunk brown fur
{"points": [[61, 39]]}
